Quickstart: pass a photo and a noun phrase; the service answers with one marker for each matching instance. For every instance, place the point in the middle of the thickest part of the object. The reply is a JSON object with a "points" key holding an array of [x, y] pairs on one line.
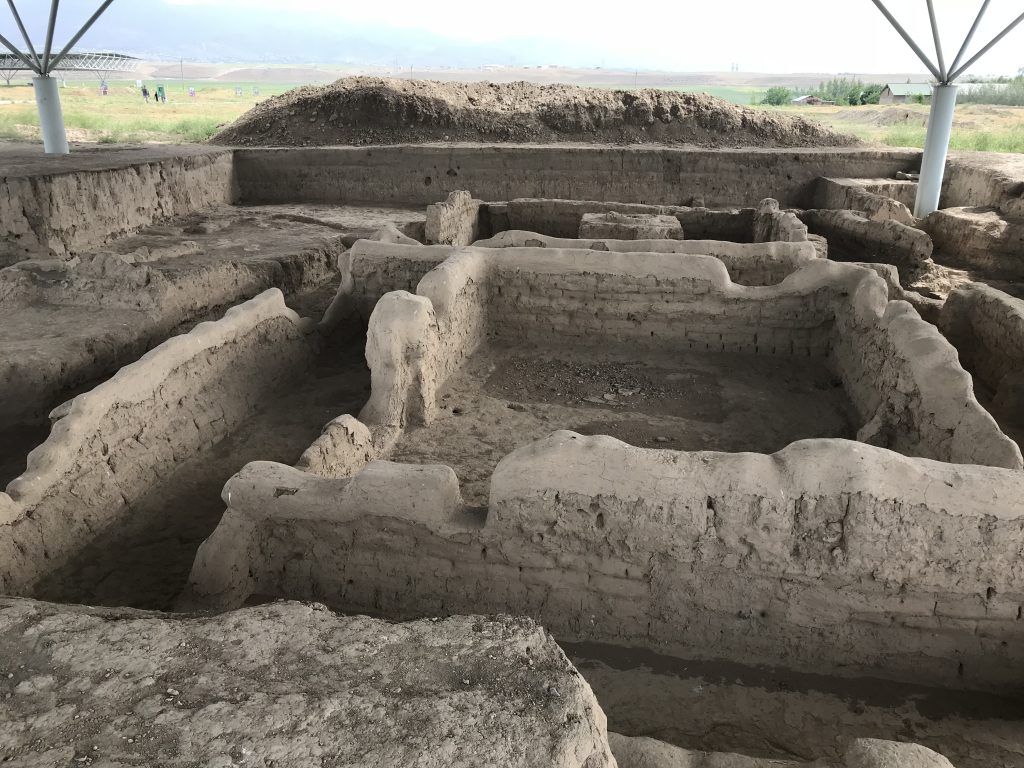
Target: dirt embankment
{"points": [[370, 110]]}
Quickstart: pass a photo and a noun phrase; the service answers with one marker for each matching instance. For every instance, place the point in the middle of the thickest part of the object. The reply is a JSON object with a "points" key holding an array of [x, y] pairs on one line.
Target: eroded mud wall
{"points": [[747, 263], [829, 554], [987, 328], [561, 218], [117, 442], [907, 383]]}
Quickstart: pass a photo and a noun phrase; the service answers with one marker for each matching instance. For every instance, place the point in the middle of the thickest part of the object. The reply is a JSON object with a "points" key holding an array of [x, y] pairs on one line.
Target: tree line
{"points": [[1008, 91], [841, 90]]}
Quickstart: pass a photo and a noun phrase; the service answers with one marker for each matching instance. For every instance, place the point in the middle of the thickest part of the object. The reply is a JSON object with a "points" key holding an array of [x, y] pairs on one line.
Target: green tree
{"points": [[777, 96], [871, 93]]}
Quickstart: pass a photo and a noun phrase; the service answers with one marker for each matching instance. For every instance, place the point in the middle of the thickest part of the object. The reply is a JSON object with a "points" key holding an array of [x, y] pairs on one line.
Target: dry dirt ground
{"points": [[370, 110], [502, 399]]}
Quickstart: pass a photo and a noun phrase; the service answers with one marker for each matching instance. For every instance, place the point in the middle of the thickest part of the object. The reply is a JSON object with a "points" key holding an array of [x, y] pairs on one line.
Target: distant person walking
{"points": [[161, 94], [145, 94]]}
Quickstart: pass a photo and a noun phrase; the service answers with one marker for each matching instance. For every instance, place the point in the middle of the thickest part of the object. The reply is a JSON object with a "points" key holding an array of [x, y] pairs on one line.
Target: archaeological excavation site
{"points": [[535, 450]]}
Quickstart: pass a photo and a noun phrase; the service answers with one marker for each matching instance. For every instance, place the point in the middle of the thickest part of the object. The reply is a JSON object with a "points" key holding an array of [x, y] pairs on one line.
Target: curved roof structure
{"points": [[85, 61], [46, 62]]}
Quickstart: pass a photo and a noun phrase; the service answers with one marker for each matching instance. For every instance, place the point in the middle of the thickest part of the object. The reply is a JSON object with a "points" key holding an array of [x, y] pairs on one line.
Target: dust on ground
{"points": [[373, 110], [502, 399]]}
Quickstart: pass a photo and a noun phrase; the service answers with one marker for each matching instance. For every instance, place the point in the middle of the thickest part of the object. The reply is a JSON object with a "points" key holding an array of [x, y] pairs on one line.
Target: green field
{"points": [[976, 127], [123, 117]]}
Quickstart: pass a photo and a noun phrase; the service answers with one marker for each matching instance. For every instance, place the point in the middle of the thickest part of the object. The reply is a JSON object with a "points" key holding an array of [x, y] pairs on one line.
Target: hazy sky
{"points": [[759, 35], [774, 36]]}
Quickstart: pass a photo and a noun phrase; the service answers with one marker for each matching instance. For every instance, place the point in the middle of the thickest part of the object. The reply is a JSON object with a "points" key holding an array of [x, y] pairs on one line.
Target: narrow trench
{"points": [[143, 560], [787, 714]]}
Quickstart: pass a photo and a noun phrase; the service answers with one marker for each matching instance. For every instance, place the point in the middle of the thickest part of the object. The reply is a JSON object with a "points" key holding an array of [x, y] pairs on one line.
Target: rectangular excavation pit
{"points": [[907, 389], [505, 397]]}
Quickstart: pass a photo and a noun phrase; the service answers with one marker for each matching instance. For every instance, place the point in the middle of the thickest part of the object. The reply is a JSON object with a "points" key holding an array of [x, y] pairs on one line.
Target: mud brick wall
{"points": [[415, 342], [114, 444], [654, 300], [827, 554], [747, 263], [774, 225], [854, 195], [562, 218], [57, 215], [370, 269], [459, 220], [861, 239], [987, 328], [906, 381], [460, 291]]}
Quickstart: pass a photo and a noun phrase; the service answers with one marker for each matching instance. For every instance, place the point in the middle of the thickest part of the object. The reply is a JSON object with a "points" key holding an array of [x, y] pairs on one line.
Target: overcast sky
{"points": [[683, 35], [759, 35]]}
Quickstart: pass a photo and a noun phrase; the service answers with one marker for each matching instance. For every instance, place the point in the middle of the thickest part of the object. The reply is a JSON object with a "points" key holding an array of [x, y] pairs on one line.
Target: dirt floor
{"points": [[502, 399], [372, 110], [144, 562], [719, 706], [22, 158]]}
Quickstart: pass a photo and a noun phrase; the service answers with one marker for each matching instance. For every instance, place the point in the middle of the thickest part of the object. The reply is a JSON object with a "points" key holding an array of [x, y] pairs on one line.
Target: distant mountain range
{"points": [[157, 30]]}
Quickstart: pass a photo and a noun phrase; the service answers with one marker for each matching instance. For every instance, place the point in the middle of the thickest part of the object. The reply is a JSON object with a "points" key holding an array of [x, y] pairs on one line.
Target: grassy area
{"points": [[976, 127], [123, 117], [1006, 140]]}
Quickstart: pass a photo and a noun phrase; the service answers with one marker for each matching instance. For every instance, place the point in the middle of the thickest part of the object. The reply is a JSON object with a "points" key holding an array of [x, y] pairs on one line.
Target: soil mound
{"points": [[884, 116], [370, 110]]}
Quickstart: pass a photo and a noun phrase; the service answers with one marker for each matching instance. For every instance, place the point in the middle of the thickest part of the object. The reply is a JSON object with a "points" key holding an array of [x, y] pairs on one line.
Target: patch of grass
{"points": [[122, 116], [972, 139]]}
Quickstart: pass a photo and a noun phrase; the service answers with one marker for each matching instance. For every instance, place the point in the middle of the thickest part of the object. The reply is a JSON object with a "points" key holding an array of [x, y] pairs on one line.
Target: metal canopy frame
{"points": [[946, 75], [83, 61], [47, 63], [51, 117], [940, 116]]}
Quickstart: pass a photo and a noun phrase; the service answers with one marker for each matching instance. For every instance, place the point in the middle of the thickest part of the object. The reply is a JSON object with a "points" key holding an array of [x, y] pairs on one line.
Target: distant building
{"points": [[814, 101], [901, 93]]}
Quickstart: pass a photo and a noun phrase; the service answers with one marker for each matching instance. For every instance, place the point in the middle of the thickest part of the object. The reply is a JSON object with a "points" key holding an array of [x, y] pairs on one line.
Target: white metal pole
{"points": [[936, 146], [51, 118]]}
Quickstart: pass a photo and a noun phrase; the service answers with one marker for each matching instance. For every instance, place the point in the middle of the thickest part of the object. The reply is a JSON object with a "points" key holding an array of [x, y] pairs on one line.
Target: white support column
{"points": [[51, 117], [936, 146]]}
